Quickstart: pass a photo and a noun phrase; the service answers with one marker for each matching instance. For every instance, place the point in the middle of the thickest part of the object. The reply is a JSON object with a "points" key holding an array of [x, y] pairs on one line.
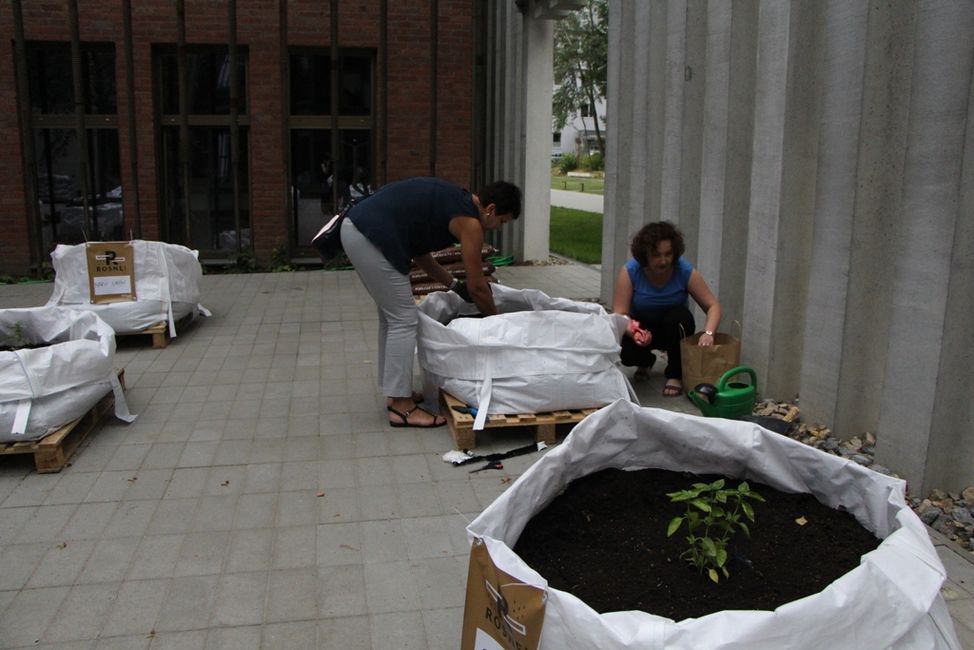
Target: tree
{"points": [[581, 53]]}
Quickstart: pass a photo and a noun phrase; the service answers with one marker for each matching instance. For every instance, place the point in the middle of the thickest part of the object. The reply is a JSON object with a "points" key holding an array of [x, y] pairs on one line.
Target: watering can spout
{"points": [[728, 399]]}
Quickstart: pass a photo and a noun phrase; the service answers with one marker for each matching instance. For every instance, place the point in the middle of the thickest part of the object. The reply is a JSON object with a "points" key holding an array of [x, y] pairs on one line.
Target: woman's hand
{"points": [[640, 337], [706, 340]]}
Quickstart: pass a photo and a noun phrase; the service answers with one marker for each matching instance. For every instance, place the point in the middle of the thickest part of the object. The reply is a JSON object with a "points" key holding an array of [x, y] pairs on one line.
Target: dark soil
{"points": [[604, 541]]}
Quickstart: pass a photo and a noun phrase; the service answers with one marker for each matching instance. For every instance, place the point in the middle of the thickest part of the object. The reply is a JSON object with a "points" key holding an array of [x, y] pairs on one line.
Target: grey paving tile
{"points": [[233, 638], [297, 508], [441, 582], [62, 564], [250, 550], [335, 473], [189, 640], [189, 603], [240, 599], [215, 513], [45, 523], [398, 631], [419, 499], [374, 471], [89, 521], [173, 516], [341, 591], [443, 627], [18, 562], [389, 587], [163, 455], [12, 520], [32, 490], [295, 547], [109, 560], [291, 596], [148, 484], [82, 614], [262, 476], [289, 636], [300, 475], [28, 615], [383, 541], [71, 487], [155, 557], [379, 502], [344, 632], [131, 518], [201, 554]]}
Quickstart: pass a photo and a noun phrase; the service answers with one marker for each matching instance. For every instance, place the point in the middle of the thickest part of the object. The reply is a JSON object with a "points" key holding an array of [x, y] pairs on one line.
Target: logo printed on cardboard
{"points": [[501, 612], [111, 271]]}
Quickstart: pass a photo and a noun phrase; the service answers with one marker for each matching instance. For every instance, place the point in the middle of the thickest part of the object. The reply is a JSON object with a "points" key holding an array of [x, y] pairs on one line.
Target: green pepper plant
{"points": [[713, 515]]}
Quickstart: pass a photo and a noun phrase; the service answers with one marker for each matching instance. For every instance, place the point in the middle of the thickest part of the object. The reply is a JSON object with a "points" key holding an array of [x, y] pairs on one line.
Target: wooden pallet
{"points": [[461, 424], [52, 452], [160, 331]]}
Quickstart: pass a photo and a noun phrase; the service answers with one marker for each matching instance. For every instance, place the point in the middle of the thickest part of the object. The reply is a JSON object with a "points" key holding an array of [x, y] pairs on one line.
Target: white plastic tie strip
{"points": [[121, 405]]}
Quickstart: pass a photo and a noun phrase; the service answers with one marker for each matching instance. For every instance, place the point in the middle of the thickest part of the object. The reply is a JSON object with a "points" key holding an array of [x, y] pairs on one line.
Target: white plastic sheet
{"points": [[167, 286], [538, 354], [42, 389], [891, 600]]}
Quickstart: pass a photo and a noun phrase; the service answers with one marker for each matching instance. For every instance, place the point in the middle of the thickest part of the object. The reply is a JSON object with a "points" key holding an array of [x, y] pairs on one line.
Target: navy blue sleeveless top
{"points": [[409, 218]]}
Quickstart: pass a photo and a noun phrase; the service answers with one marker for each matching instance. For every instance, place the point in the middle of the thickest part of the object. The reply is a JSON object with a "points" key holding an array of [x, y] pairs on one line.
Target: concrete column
{"points": [[761, 262], [926, 328], [835, 198], [536, 137], [821, 158]]}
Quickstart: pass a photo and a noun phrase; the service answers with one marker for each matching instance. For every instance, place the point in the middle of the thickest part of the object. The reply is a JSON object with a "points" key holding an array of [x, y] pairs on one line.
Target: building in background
{"points": [[579, 135], [230, 127]]}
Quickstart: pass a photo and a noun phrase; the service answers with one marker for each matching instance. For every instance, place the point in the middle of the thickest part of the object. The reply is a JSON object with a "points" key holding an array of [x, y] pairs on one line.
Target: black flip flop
{"points": [[405, 418]]}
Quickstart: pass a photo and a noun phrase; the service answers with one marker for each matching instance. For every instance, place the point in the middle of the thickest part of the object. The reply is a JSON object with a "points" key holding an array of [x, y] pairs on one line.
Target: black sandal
{"points": [[405, 418]]}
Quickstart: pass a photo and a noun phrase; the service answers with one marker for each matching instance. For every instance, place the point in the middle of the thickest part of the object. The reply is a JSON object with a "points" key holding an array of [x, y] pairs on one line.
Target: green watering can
{"points": [[728, 399]]}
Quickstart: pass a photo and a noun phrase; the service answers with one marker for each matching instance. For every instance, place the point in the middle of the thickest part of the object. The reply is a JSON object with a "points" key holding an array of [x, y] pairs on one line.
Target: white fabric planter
{"points": [[891, 600], [167, 286], [42, 389], [538, 354]]}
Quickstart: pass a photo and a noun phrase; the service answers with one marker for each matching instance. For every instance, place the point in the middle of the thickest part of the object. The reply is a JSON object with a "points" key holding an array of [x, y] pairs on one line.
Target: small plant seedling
{"points": [[20, 340], [713, 515]]}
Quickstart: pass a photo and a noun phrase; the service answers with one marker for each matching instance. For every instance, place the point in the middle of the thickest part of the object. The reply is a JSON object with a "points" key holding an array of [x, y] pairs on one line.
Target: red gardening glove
{"points": [[641, 337]]}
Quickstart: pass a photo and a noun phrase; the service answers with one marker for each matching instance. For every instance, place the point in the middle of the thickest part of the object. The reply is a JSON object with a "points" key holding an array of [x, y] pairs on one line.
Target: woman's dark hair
{"points": [[649, 236], [506, 196]]}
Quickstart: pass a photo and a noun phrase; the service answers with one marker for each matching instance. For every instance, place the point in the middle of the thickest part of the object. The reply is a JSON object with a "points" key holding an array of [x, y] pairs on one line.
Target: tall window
{"points": [[78, 183], [323, 180], [201, 204]]}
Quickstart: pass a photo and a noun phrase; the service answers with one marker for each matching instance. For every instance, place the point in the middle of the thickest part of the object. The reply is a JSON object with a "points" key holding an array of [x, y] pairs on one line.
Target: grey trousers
{"points": [[398, 315]]}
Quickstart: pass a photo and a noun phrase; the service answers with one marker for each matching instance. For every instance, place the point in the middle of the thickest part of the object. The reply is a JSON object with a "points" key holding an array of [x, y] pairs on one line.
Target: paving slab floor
{"points": [[260, 500]]}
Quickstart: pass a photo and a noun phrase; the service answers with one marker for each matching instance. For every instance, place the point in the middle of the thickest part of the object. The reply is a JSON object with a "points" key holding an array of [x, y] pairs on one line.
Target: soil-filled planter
{"points": [[539, 354], [167, 286], [890, 600], [65, 368]]}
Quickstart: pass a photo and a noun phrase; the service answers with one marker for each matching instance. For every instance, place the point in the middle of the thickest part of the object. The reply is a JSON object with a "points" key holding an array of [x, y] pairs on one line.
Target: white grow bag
{"points": [[539, 354], [42, 389], [891, 600], [167, 286]]}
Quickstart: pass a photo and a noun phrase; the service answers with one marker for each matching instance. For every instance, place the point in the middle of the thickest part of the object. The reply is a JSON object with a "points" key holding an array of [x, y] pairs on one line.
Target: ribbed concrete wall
{"points": [[819, 156]]}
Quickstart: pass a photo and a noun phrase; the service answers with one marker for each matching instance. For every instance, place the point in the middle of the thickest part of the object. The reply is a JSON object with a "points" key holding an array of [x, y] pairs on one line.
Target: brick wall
{"points": [[410, 119]]}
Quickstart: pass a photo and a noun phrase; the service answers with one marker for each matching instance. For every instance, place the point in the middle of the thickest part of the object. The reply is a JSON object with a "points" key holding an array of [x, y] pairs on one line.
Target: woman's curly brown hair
{"points": [[648, 238]]}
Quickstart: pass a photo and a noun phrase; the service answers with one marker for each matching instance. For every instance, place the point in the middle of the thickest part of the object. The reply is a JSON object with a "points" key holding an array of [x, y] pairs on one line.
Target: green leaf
{"points": [[747, 531], [721, 557], [700, 503], [674, 526], [748, 510], [708, 546], [743, 487], [713, 576], [718, 484]]}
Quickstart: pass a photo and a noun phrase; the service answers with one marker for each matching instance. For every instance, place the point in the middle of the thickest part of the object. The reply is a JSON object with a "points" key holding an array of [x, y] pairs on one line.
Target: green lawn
{"points": [[576, 234], [587, 185]]}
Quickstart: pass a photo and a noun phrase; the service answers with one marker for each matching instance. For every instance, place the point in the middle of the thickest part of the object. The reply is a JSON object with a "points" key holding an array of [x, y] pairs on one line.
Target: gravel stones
{"points": [[951, 514]]}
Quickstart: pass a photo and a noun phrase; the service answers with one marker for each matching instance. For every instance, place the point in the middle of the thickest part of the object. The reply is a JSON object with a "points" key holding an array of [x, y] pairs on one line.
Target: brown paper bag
{"points": [[705, 365], [500, 612]]}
